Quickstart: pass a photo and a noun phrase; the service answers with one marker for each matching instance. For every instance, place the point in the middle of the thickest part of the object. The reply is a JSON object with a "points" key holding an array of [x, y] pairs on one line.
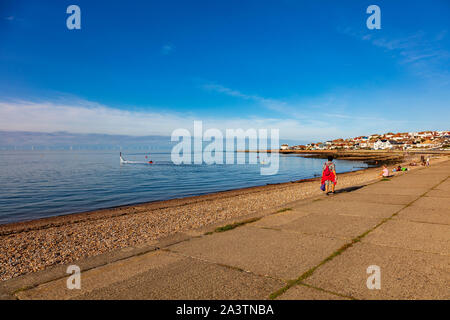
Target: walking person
{"points": [[329, 177]]}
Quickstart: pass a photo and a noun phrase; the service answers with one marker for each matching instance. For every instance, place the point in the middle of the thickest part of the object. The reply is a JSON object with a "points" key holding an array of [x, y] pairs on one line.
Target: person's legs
{"points": [[332, 186], [327, 185]]}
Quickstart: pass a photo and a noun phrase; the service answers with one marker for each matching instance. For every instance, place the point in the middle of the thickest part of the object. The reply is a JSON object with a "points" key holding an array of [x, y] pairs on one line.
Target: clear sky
{"points": [[310, 68]]}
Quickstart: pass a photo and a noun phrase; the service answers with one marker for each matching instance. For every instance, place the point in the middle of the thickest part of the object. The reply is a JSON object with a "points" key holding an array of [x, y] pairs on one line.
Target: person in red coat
{"points": [[329, 177]]}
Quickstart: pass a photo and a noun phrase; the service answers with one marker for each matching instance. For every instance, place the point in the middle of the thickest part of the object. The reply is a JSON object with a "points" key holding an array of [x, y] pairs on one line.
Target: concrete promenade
{"points": [[318, 248]]}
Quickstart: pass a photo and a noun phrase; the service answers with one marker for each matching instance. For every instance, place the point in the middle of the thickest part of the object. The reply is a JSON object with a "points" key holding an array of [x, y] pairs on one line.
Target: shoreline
{"points": [[52, 221], [370, 157], [319, 155], [34, 245], [7, 228]]}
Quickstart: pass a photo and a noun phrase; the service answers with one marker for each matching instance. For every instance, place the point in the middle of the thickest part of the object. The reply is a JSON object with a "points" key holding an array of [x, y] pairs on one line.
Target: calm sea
{"points": [[38, 184]]}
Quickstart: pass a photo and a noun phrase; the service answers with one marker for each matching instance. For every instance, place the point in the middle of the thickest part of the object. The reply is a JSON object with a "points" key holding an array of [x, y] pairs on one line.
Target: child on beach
{"points": [[385, 172], [329, 177]]}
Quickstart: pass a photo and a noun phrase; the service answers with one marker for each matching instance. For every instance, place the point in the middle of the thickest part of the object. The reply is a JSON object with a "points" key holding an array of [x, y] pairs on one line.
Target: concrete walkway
{"points": [[315, 249]]}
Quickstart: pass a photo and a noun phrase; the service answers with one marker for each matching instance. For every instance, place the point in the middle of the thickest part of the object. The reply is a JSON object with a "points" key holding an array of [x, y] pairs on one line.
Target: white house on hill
{"points": [[382, 144]]}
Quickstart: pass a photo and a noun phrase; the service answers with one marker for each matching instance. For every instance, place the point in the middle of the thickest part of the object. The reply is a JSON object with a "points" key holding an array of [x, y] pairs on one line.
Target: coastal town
{"points": [[430, 140]]}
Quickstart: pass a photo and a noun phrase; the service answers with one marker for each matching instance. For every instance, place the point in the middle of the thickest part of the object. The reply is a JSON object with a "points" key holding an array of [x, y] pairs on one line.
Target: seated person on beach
{"points": [[400, 169], [385, 172], [329, 177]]}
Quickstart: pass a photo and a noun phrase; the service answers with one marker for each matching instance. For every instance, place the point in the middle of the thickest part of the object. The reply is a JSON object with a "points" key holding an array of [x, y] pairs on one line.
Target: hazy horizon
{"points": [[10, 140]]}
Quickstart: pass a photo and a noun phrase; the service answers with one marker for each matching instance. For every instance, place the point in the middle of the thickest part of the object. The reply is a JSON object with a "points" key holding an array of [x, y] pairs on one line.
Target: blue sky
{"points": [[310, 68]]}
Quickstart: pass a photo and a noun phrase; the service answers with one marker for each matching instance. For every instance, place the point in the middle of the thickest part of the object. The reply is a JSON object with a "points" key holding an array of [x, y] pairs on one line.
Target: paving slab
{"points": [[420, 180], [60, 271], [438, 193], [189, 279], [160, 276], [438, 203], [275, 220], [435, 170], [410, 183], [405, 274], [419, 214], [301, 292], [436, 174], [332, 225], [351, 208], [426, 237], [376, 198], [385, 188], [279, 254], [444, 186], [100, 277], [427, 177]]}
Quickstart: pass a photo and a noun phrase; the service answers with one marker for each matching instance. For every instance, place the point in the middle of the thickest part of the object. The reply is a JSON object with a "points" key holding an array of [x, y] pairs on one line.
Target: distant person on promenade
{"points": [[422, 160], [329, 177], [428, 161]]}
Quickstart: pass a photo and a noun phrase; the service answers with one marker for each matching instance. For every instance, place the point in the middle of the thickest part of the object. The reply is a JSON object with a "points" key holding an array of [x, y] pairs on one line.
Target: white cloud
{"points": [[333, 115], [88, 117], [422, 53], [310, 111], [414, 48], [272, 104], [83, 118]]}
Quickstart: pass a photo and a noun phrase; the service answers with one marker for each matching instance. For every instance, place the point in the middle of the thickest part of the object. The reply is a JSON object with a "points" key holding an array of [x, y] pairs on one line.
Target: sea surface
{"points": [[38, 184]]}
